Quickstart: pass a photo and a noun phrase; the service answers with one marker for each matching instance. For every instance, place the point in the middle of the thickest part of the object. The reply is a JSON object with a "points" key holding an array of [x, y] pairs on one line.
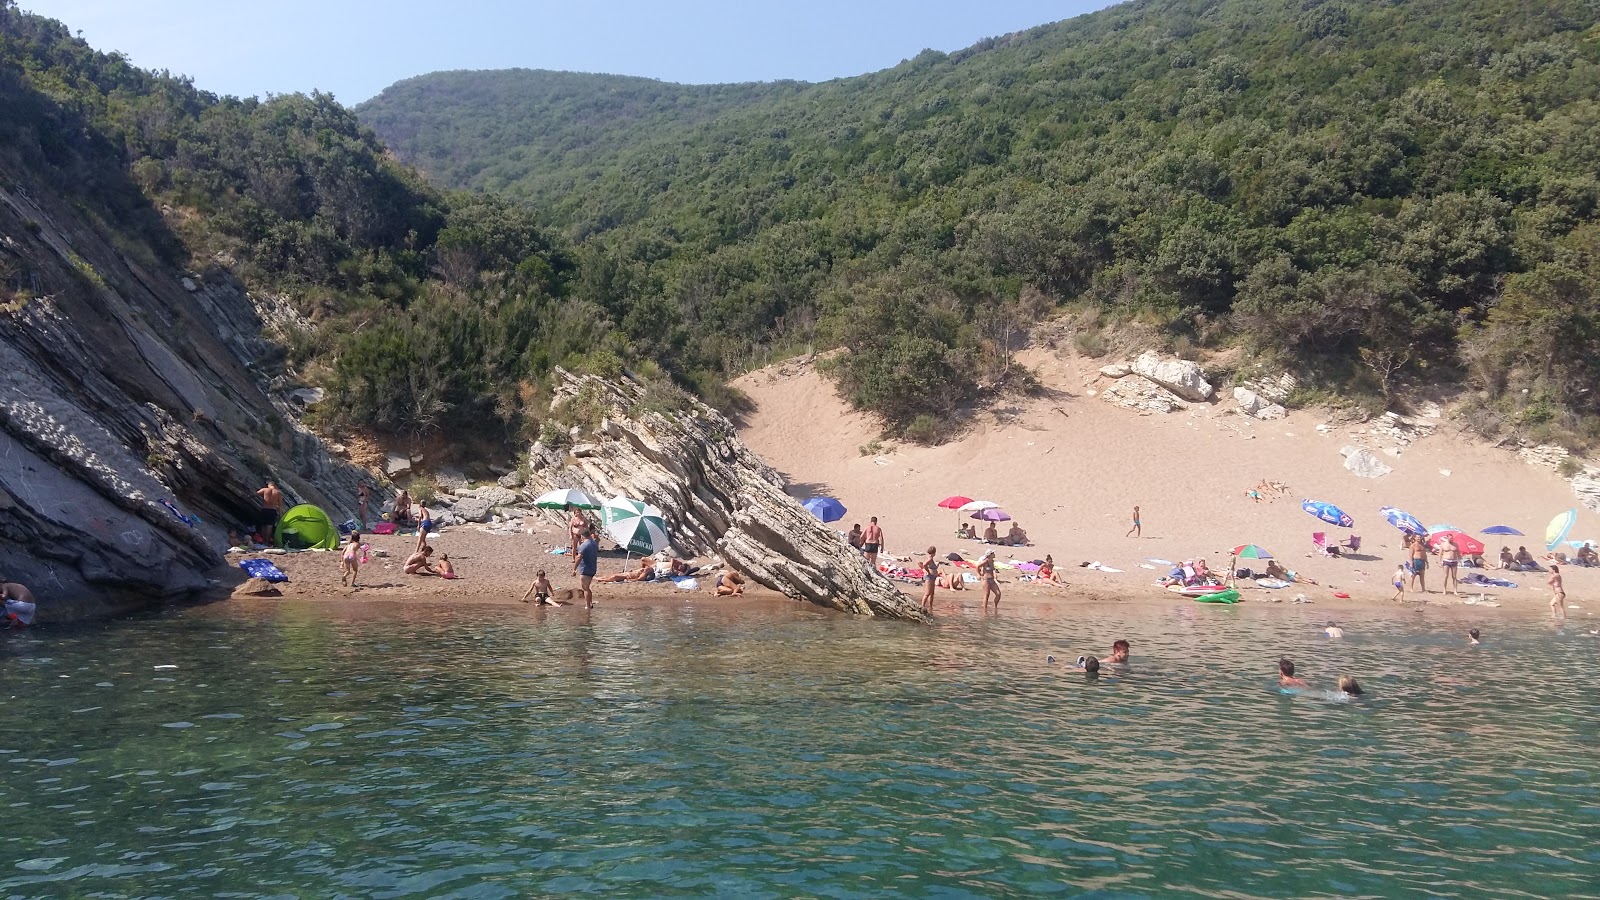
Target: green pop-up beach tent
{"points": [[306, 527]]}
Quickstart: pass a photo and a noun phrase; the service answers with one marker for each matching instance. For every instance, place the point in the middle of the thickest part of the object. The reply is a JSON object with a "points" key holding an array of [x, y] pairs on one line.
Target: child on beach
{"points": [[351, 561], [1135, 530], [540, 590], [447, 569], [1399, 579]]}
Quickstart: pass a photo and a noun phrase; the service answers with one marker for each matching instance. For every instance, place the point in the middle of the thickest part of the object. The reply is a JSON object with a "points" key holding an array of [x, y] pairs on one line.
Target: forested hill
{"points": [[509, 129], [1378, 191]]}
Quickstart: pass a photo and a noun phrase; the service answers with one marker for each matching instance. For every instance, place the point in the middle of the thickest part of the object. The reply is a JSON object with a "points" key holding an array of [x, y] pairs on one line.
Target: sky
{"points": [[354, 49]]}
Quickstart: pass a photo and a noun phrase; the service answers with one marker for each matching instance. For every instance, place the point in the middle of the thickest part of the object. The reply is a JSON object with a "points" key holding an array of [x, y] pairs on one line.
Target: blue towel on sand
{"points": [[263, 569]]}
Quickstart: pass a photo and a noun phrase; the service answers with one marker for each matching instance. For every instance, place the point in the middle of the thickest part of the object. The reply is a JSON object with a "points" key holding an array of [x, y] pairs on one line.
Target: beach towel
{"points": [[686, 584], [559, 551], [20, 610], [263, 569], [1271, 583], [384, 528], [1486, 581], [969, 578], [1160, 562], [1102, 568]]}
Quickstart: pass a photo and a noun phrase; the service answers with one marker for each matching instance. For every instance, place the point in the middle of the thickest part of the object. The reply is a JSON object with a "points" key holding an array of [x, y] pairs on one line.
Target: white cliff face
{"points": [[122, 388], [718, 497]]}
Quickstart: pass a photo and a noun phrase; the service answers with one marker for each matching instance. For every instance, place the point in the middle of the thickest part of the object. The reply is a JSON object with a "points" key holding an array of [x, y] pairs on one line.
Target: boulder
{"points": [[495, 495], [1249, 401], [1181, 377], [450, 480], [718, 498], [1142, 394], [471, 509], [1116, 370], [396, 465], [1586, 487], [189, 285], [1363, 463], [1271, 411], [512, 480], [1273, 389]]}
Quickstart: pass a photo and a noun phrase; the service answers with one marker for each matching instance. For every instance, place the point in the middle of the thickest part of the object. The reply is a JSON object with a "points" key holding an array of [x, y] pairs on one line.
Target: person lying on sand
{"points": [[645, 572], [1276, 571], [418, 563], [952, 580], [730, 583]]}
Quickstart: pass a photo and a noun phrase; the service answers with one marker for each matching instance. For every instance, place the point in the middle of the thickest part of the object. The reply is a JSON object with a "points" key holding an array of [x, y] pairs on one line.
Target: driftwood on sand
{"points": [[656, 444]]}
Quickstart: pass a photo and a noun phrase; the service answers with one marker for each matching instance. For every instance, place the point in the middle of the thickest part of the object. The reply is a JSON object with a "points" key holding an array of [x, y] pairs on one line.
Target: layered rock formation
{"points": [[655, 444], [125, 386]]}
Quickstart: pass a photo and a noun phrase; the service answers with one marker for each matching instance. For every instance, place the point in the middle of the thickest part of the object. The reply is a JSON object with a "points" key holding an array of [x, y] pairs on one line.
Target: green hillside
{"points": [[1373, 192]]}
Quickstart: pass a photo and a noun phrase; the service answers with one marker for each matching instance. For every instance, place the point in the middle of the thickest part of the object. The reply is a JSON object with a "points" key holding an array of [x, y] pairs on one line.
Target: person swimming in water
{"points": [[1119, 653], [1349, 687], [1286, 674], [1333, 630], [1473, 638]]}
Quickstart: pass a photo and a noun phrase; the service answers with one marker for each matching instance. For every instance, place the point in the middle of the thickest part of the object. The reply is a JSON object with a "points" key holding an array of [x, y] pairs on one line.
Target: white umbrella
{"points": [[564, 498], [636, 527], [979, 506]]}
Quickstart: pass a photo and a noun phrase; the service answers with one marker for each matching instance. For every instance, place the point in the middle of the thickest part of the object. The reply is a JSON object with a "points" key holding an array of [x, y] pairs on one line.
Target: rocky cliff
{"points": [[656, 444], [124, 384]]}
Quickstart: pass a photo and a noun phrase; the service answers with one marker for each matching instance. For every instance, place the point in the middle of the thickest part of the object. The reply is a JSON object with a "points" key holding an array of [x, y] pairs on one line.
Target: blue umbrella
{"points": [[825, 508], [1501, 529], [1329, 513], [1402, 520]]}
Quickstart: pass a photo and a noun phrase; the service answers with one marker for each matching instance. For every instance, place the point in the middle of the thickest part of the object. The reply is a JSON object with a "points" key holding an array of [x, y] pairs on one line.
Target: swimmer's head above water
{"points": [[1348, 685]]}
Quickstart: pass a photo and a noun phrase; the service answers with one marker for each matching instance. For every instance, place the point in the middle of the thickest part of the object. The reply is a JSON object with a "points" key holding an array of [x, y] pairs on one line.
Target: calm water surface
{"points": [[321, 750]]}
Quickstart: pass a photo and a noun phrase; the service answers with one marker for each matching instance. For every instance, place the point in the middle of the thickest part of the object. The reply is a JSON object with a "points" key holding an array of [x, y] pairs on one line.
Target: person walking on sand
{"points": [[1449, 560], [872, 542], [1558, 593], [991, 584], [586, 564], [1399, 579], [930, 579], [1137, 529], [351, 561]]}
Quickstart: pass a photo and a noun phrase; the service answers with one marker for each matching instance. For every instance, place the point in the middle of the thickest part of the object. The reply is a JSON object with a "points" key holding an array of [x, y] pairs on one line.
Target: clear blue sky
{"points": [[355, 49]]}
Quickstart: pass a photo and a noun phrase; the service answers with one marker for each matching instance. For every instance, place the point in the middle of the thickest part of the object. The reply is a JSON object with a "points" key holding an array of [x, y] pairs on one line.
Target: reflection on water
{"points": [[320, 749]]}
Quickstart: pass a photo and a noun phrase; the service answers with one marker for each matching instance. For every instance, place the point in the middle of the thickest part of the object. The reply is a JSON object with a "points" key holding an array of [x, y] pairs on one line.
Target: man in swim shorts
{"points": [[1419, 564], [1449, 559], [1558, 593], [872, 541]]}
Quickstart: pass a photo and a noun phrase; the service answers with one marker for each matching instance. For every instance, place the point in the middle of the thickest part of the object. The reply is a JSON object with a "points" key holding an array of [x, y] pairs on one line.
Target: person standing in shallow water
{"points": [[1558, 593], [930, 579], [1137, 529], [991, 584]]}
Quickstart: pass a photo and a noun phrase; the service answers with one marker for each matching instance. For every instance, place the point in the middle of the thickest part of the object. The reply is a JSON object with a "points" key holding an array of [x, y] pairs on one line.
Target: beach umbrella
{"points": [[992, 514], [1402, 520], [1250, 551], [1501, 529], [1466, 543], [1329, 513], [955, 502], [1559, 528], [566, 497], [978, 506], [1435, 529], [636, 527], [825, 508]]}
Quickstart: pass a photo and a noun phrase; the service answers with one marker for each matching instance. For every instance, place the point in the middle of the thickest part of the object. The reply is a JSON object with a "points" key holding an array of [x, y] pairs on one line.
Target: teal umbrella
{"points": [[636, 527], [564, 498]]}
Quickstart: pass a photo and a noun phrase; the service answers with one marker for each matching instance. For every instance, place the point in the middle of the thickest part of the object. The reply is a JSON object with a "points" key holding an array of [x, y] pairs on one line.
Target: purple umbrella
{"points": [[992, 515]]}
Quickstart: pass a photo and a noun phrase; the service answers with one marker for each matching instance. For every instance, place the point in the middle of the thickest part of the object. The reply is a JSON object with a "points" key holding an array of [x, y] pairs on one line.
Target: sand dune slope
{"points": [[1070, 467]]}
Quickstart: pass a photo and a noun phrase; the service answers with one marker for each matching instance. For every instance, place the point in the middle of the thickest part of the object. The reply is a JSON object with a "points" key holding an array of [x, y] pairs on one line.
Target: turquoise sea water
{"points": [[322, 750]]}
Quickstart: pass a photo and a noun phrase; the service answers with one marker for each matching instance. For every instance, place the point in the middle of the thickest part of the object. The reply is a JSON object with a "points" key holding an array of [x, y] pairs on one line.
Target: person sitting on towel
{"points": [[1524, 561], [967, 532], [1587, 555], [1016, 536], [645, 572], [990, 535]]}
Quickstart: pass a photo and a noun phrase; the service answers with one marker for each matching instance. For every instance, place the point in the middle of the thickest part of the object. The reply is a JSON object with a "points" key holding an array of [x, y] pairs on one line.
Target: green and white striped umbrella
{"points": [[567, 497], [636, 527]]}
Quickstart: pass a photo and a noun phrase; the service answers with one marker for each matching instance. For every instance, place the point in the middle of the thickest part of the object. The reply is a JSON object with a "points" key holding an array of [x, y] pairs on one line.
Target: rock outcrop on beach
{"points": [[126, 386], [654, 443]]}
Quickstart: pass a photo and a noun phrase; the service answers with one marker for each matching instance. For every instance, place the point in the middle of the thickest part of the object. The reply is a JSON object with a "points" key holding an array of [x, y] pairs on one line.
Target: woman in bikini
{"points": [[930, 579], [991, 584]]}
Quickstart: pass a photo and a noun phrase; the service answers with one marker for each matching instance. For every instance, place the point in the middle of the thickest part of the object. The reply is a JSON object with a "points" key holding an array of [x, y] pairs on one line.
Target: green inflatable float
{"points": [[1228, 596], [306, 527]]}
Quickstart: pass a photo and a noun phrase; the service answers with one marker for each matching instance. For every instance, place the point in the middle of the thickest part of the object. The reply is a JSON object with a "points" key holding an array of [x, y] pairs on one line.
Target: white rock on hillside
{"points": [[396, 465], [1116, 370], [1181, 377], [1363, 463], [1142, 394], [1586, 487], [1272, 411], [1249, 401]]}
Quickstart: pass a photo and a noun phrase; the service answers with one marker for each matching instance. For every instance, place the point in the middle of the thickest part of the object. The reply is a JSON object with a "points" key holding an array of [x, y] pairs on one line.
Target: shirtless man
{"points": [[855, 537], [991, 535], [418, 564], [17, 606], [1016, 536], [1286, 674], [271, 507], [872, 541], [1449, 559], [1558, 593], [1419, 564]]}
